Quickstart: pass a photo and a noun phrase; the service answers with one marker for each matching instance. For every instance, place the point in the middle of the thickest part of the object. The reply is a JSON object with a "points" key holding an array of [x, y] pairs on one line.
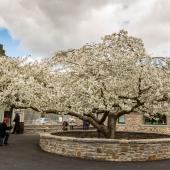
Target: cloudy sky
{"points": [[41, 27]]}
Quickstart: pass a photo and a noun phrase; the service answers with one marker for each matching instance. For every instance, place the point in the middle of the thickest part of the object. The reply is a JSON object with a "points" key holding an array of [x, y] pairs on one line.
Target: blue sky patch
{"points": [[11, 46]]}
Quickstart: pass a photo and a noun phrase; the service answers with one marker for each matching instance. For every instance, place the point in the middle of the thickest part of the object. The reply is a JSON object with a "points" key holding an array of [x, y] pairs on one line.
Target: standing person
{"points": [[4, 135], [17, 124], [86, 124]]}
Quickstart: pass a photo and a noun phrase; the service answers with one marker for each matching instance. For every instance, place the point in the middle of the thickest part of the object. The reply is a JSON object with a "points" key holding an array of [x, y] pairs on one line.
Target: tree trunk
{"points": [[111, 126]]}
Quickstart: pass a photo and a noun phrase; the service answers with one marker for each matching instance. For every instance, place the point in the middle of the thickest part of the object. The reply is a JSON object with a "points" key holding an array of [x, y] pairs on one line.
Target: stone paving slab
{"points": [[23, 153]]}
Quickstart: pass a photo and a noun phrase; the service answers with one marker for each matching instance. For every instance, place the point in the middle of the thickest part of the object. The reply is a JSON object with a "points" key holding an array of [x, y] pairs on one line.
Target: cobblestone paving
{"points": [[23, 153]]}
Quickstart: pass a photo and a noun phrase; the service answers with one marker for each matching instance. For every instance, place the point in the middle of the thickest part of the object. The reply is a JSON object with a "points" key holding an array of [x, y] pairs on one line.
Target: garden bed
{"points": [[135, 148], [119, 135]]}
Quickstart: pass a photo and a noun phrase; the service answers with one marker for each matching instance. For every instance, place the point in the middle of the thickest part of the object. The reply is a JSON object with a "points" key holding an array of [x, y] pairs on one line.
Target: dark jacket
{"points": [[17, 118], [3, 128]]}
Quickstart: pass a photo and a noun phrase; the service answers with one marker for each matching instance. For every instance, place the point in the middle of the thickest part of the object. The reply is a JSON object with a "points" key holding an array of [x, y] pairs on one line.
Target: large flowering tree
{"points": [[101, 82], [97, 82]]}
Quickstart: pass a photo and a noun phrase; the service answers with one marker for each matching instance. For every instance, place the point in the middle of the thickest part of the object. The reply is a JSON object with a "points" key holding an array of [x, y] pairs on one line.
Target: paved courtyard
{"points": [[23, 153]]}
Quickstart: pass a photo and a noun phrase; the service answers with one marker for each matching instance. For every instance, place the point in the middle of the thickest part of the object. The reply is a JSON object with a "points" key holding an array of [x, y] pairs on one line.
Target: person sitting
{"points": [[65, 126], [4, 135]]}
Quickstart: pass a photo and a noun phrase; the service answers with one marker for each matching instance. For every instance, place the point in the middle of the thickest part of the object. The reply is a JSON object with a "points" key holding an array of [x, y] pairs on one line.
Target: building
{"points": [[136, 122]]}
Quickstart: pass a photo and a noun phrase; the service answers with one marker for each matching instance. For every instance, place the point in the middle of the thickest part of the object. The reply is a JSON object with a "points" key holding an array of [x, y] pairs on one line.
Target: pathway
{"points": [[23, 153]]}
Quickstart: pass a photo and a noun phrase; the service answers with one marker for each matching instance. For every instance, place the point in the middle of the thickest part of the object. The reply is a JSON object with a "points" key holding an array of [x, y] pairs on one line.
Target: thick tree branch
{"points": [[92, 116], [90, 119], [25, 107], [104, 116]]}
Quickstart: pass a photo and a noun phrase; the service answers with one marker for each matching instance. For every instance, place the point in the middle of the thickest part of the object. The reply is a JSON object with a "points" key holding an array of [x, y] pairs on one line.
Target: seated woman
{"points": [[65, 125]]}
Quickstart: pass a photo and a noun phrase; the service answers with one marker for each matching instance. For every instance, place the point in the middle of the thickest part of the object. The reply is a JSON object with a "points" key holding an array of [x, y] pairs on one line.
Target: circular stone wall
{"points": [[107, 149]]}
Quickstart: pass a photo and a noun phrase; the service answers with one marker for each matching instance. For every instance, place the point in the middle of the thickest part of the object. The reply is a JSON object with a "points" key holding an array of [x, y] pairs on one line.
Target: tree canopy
{"points": [[97, 82]]}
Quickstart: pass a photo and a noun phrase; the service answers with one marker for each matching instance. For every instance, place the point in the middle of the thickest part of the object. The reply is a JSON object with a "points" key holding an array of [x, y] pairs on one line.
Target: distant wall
{"points": [[36, 129], [134, 123]]}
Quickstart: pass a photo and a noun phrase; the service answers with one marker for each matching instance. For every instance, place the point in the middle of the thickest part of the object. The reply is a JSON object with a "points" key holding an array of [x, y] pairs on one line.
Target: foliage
{"points": [[97, 82]]}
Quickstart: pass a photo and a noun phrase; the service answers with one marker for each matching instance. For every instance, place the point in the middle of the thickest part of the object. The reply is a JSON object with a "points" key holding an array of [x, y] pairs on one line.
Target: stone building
{"points": [[142, 123]]}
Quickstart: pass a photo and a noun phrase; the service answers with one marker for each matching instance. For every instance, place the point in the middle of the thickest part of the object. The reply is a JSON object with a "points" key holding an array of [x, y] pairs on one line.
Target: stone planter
{"points": [[107, 149]]}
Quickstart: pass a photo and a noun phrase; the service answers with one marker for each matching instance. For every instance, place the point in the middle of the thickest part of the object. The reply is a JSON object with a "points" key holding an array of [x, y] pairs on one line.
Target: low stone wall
{"points": [[107, 149], [36, 129]]}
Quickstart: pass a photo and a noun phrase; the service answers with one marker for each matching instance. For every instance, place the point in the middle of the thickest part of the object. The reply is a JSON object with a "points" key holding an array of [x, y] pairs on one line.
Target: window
{"points": [[156, 119], [121, 119]]}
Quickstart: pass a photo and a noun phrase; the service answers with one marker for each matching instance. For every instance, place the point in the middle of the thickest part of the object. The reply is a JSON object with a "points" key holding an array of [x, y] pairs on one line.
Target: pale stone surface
{"points": [[107, 149]]}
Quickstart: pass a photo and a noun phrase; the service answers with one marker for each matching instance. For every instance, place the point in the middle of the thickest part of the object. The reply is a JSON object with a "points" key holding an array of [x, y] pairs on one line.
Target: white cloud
{"points": [[46, 26]]}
